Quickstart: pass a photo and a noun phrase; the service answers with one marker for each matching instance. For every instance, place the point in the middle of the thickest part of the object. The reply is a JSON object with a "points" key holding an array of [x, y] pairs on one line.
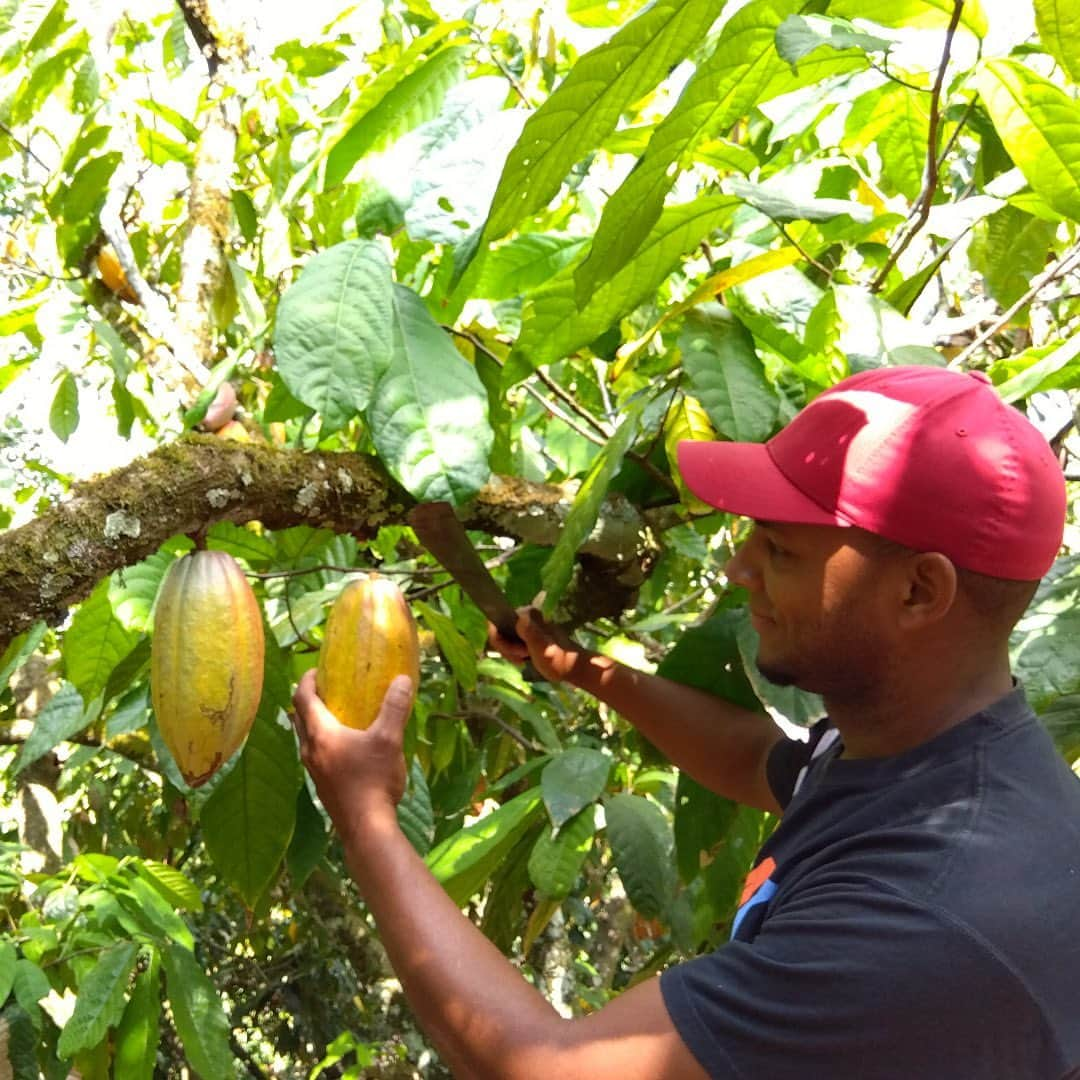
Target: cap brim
{"points": [[743, 479]]}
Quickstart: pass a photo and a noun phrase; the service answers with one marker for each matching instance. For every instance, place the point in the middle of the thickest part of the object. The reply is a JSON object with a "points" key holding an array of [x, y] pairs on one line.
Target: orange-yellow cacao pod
{"points": [[206, 661], [370, 637], [112, 273]]}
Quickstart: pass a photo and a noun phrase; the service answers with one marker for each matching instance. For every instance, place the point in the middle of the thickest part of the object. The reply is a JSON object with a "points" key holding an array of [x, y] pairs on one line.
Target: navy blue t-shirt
{"points": [[913, 917]]}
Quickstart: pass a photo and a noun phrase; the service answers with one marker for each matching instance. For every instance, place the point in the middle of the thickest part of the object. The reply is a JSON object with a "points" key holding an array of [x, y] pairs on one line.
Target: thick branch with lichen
{"points": [[186, 486]]}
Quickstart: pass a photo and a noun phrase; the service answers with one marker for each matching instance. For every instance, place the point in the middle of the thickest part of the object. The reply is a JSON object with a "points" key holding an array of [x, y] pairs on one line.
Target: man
{"points": [[916, 914]]}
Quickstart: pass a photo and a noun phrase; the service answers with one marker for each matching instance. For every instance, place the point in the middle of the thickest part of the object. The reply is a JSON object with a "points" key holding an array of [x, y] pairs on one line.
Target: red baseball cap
{"points": [[929, 458]]}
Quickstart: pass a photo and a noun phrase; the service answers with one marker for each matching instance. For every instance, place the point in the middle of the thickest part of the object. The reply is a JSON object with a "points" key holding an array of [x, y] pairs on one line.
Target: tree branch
{"points": [[119, 519], [1068, 262], [921, 210]]}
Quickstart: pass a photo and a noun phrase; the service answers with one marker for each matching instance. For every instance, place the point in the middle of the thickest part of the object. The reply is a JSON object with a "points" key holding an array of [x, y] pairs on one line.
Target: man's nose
{"points": [[741, 569]]}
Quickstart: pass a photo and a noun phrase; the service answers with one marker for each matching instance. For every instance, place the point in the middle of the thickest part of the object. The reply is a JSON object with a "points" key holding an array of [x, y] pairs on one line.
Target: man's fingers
{"points": [[396, 705]]}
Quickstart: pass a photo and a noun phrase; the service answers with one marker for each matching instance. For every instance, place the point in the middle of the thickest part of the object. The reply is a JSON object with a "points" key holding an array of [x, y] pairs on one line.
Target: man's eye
{"points": [[774, 549]]}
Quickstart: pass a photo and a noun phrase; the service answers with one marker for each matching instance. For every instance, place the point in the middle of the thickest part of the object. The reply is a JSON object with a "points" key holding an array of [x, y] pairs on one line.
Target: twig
{"points": [[801, 250], [569, 399], [510, 77], [1068, 262], [24, 147], [921, 210], [883, 69]]}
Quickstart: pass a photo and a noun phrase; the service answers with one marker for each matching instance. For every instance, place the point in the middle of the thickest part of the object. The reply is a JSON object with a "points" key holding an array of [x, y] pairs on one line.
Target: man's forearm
{"points": [[720, 744], [476, 1007]]}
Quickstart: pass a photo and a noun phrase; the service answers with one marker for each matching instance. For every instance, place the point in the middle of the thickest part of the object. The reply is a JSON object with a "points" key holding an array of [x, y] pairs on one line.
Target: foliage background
{"points": [[502, 256]]}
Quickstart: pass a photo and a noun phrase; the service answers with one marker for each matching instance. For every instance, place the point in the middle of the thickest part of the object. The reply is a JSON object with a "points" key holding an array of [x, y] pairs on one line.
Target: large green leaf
{"points": [[581, 520], [556, 857], [524, 264], [96, 641], [799, 35], [63, 716], [1055, 366], [572, 780], [1009, 248], [588, 104], [642, 843], [198, 1015], [1058, 23], [726, 375], [248, 821], [552, 325], [138, 1033], [20, 650], [743, 71], [453, 644], [428, 417], [464, 861], [916, 14], [19, 1043], [64, 411], [702, 819], [133, 590], [784, 206], [100, 1003], [1039, 125], [334, 333], [415, 99], [414, 813], [8, 957]]}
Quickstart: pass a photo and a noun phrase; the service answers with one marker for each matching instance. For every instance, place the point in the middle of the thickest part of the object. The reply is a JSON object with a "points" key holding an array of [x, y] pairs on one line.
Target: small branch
{"points": [[1067, 263], [24, 147], [921, 210], [510, 77], [883, 69], [801, 250]]}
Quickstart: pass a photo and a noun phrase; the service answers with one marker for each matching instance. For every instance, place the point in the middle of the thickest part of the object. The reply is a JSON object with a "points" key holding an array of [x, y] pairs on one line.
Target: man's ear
{"points": [[930, 589]]}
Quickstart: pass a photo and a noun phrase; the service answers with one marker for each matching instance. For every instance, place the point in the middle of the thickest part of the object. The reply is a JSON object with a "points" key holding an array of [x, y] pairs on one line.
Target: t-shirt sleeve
{"points": [[852, 982], [788, 758]]}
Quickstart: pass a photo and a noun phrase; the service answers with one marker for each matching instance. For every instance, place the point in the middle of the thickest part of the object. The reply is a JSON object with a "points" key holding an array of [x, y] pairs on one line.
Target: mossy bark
{"points": [[186, 486]]}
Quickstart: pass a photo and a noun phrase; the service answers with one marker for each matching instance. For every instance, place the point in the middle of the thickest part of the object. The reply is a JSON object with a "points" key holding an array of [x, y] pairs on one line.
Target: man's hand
{"points": [[554, 655], [357, 773]]}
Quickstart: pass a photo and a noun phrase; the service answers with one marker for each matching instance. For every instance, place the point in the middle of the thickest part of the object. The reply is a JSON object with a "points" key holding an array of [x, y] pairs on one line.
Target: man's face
{"points": [[820, 600]]}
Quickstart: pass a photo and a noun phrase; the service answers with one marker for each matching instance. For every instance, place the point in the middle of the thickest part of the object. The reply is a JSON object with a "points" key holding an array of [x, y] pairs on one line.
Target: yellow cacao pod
{"points": [[370, 638], [206, 661], [112, 273]]}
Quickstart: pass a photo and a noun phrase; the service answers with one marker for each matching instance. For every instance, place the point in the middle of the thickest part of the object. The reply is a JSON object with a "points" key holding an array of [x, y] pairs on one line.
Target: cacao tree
{"points": [[265, 291]]}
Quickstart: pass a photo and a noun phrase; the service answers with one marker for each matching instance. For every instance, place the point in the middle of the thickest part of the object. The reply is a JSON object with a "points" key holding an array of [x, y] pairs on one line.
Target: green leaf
{"points": [[248, 821], [504, 907], [198, 1015], [903, 140], [702, 820], [19, 651], [1039, 125], [572, 780], [415, 814], [916, 14], [602, 13], [707, 658], [588, 104], [96, 641], [457, 650], [133, 590], [30, 985], [743, 71], [415, 99], [799, 35], [557, 856], [642, 843], [581, 520], [309, 842], [552, 325], [524, 264], [152, 911], [334, 331], [64, 412], [62, 717], [1058, 23], [428, 417], [8, 957], [1050, 367], [19, 1041], [100, 1003], [726, 375], [138, 1033], [179, 891], [1009, 248], [464, 861], [781, 206]]}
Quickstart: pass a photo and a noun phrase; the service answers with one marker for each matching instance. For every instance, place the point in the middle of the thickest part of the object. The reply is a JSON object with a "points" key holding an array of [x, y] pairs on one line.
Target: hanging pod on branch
{"points": [[370, 638], [206, 661]]}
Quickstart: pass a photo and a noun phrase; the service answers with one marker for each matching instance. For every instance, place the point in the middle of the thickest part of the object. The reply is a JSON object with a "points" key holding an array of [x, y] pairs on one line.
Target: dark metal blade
{"points": [[439, 530]]}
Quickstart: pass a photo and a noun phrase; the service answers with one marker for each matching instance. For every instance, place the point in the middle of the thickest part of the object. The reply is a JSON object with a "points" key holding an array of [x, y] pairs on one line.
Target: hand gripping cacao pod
{"points": [[370, 637], [206, 662]]}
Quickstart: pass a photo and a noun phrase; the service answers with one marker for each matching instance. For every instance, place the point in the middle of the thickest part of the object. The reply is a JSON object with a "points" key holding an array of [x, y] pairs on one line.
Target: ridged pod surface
{"points": [[206, 662], [370, 638]]}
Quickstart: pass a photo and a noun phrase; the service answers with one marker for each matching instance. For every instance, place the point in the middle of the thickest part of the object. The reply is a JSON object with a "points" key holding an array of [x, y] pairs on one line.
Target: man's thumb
{"points": [[396, 705]]}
